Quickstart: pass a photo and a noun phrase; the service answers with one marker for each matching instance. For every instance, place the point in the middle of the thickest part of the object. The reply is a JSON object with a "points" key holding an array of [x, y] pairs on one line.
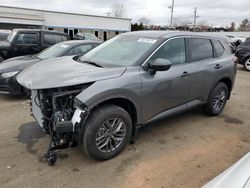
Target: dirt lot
{"points": [[185, 151]]}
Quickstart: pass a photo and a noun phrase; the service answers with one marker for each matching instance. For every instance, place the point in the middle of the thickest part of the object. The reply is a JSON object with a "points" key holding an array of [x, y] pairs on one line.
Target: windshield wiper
{"points": [[92, 63]]}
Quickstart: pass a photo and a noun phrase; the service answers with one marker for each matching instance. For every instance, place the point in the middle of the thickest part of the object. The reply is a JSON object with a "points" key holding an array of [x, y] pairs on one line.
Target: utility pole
{"points": [[172, 14], [195, 17]]}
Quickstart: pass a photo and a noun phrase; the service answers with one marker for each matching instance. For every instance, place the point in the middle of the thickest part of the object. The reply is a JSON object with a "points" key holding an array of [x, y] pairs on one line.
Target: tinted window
{"points": [[218, 48], [79, 50], [27, 38], [53, 39], [173, 50], [200, 49]]}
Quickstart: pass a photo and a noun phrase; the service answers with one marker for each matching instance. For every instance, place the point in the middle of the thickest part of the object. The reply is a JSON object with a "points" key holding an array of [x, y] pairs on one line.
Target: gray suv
{"points": [[100, 100]]}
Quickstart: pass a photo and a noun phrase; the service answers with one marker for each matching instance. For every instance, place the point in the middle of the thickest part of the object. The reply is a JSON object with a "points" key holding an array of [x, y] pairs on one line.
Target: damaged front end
{"points": [[59, 114]]}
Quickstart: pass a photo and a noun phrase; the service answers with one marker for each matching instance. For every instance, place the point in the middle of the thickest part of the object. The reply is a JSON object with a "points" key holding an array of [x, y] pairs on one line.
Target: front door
{"points": [[167, 89]]}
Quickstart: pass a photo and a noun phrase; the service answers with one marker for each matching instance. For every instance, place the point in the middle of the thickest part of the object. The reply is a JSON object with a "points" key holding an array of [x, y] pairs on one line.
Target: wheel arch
{"points": [[124, 103], [127, 105]]}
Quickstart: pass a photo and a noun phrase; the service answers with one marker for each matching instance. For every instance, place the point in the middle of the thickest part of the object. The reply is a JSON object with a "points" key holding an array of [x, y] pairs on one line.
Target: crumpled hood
{"points": [[17, 63], [5, 45], [64, 71]]}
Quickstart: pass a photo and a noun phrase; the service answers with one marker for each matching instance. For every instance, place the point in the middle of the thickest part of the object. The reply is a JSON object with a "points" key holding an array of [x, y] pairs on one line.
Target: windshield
{"points": [[11, 36], [53, 51], [121, 50]]}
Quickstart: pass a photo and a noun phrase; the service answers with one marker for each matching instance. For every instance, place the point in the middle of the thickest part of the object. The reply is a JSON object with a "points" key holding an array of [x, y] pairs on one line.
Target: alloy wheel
{"points": [[110, 135], [247, 64], [219, 99]]}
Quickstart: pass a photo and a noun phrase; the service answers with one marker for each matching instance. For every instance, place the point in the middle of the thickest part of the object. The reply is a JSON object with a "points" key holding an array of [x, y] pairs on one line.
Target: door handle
{"points": [[218, 66], [185, 74]]}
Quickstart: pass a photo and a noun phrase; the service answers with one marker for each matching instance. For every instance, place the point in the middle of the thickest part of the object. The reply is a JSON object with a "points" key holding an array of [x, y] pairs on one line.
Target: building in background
{"points": [[102, 26]]}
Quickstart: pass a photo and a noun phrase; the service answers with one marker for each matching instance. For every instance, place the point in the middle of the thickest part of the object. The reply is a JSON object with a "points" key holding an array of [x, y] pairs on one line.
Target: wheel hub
{"points": [[110, 134], [219, 99]]}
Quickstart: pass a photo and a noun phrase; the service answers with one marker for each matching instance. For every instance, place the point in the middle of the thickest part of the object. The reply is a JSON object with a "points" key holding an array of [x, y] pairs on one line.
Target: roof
{"points": [[168, 34], [47, 31], [40, 10], [76, 42], [20, 16]]}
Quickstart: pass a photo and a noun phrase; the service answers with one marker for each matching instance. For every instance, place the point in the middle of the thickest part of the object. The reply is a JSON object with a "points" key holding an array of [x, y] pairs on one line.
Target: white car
{"points": [[237, 176]]}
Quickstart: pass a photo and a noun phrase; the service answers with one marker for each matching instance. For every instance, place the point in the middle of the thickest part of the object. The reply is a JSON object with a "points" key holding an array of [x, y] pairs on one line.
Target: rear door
{"points": [[204, 67], [26, 43], [165, 89]]}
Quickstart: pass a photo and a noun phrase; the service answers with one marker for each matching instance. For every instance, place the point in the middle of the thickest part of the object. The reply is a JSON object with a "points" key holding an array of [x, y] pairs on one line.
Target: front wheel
{"points": [[217, 100], [107, 131], [246, 64]]}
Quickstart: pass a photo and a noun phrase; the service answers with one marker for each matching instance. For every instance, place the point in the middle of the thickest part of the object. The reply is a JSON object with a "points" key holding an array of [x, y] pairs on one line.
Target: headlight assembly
{"points": [[9, 74]]}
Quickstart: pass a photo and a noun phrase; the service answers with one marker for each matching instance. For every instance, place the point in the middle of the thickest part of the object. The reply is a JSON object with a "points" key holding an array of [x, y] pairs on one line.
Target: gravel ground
{"points": [[184, 151]]}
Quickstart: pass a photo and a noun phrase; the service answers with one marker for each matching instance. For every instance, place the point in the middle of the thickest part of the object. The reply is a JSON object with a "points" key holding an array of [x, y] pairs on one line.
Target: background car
{"points": [[29, 41], [4, 34], [238, 175], [11, 67], [243, 54], [86, 36]]}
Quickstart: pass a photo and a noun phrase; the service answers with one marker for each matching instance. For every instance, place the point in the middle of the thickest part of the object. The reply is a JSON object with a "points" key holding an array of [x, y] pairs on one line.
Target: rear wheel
{"points": [[217, 100], [247, 64], [107, 132]]}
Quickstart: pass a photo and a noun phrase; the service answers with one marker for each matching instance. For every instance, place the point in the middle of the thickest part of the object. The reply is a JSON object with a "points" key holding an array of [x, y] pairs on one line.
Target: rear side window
{"points": [[173, 50], [53, 39], [200, 49], [218, 48], [79, 50]]}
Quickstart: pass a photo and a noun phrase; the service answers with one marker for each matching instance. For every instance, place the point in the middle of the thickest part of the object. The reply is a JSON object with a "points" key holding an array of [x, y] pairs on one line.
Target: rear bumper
{"points": [[10, 86]]}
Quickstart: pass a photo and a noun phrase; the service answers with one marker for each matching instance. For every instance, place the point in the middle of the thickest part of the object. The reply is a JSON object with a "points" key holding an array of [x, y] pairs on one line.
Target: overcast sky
{"points": [[212, 12]]}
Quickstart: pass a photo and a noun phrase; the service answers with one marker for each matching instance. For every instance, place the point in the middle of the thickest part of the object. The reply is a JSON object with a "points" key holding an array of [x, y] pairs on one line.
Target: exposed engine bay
{"points": [[53, 109]]}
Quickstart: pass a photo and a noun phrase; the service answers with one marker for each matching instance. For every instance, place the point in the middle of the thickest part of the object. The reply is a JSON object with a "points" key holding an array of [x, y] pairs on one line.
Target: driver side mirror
{"points": [[159, 64]]}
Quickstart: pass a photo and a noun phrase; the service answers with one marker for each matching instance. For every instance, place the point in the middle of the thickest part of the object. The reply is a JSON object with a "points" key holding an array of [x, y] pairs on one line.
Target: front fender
{"points": [[125, 87]]}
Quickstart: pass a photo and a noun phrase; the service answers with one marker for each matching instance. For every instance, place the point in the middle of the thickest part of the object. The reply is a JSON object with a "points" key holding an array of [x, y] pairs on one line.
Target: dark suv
{"points": [[29, 41], [100, 100], [243, 54]]}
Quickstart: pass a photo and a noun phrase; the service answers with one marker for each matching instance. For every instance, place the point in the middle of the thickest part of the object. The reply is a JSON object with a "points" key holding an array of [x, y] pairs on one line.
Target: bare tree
{"points": [[118, 10], [144, 21]]}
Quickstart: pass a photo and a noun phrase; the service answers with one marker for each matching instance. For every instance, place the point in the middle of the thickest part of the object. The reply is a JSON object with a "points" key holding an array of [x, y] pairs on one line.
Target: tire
{"points": [[246, 64], [217, 100], [96, 132]]}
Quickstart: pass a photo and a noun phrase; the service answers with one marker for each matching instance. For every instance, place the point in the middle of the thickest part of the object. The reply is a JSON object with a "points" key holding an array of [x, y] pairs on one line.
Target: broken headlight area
{"points": [[54, 110]]}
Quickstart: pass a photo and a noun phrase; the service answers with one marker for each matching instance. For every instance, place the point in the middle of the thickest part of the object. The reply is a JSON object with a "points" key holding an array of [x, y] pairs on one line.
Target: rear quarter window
{"points": [[53, 38], [199, 49], [218, 48]]}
